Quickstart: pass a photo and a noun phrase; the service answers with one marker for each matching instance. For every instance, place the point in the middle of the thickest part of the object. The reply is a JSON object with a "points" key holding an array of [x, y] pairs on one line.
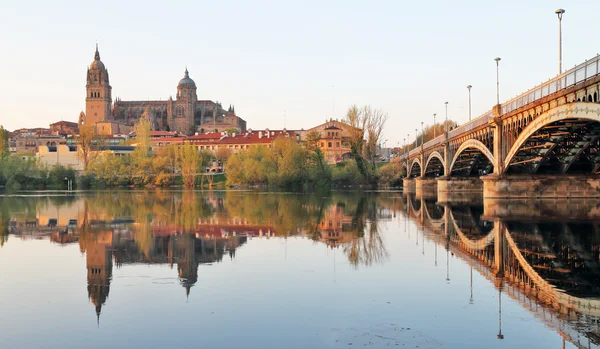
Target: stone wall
{"points": [[541, 186]]}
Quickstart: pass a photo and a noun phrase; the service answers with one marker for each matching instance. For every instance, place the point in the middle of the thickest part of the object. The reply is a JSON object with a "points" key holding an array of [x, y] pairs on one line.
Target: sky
{"points": [[288, 64]]}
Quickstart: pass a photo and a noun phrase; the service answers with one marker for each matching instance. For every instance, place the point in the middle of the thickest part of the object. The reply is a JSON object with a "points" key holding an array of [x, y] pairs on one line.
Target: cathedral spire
{"points": [[97, 54]]}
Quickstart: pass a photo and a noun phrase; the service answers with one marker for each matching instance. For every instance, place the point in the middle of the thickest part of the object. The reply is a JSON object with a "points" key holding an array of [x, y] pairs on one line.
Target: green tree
{"points": [[321, 171], [4, 149]]}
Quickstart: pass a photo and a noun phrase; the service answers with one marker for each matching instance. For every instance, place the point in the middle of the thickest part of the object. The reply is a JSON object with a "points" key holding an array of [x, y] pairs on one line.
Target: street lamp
{"points": [[69, 183], [497, 59], [446, 116], [434, 125], [422, 134], [416, 138], [560, 13], [469, 88]]}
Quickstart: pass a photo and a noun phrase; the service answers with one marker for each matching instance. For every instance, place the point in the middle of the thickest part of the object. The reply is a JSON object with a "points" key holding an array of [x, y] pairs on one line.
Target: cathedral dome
{"points": [[97, 63], [186, 81]]}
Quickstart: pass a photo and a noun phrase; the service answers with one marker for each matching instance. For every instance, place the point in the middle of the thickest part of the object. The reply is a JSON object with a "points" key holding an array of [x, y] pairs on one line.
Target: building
{"points": [[26, 142], [68, 155], [334, 139], [64, 128], [186, 114]]}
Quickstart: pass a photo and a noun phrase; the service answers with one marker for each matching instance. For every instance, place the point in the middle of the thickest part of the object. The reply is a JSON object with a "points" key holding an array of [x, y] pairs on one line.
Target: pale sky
{"points": [[307, 60]]}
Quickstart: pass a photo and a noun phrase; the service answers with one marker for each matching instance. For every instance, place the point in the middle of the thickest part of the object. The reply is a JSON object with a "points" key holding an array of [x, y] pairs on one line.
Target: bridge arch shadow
{"points": [[434, 166], [415, 169], [472, 158], [563, 140]]}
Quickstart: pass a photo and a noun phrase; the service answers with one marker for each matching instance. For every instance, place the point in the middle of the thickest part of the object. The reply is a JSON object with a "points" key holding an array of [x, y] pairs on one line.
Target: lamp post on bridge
{"points": [[416, 138], [434, 125], [446, 103], [560, 13], [422, 135], [469, 88], [497, 59]]}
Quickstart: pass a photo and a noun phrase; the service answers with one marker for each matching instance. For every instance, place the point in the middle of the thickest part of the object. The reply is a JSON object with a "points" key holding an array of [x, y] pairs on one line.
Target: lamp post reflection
{"points": [[500, 335]]}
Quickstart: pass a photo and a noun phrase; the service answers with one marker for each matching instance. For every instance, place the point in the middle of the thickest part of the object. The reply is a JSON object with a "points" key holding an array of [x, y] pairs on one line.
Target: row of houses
{"points": [[333, 140]]}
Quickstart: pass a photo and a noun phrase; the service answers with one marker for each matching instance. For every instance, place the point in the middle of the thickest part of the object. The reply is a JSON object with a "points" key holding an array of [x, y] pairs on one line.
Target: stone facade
{"points": [[31, 143], [185, 114]]}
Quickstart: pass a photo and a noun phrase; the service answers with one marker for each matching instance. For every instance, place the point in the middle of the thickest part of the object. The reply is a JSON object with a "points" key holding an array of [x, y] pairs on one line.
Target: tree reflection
{"points": [[349, 221]]}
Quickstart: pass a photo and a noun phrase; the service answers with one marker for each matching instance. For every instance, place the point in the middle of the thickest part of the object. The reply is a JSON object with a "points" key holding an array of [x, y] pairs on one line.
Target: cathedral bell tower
{"points": [[185, 105], [98, 100]]}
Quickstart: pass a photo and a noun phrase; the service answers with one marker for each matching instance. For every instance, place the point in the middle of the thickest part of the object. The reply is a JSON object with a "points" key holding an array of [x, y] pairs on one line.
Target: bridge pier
{"points": [[408, 185], [451, 188], [541, 186], [425, 185]]}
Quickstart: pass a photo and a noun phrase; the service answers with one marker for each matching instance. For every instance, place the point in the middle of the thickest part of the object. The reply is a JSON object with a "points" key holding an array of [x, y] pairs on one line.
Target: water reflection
{"points": [[544, 255], [538, 252]]}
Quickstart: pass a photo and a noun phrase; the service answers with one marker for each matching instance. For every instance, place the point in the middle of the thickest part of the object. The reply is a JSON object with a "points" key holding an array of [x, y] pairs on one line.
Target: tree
{"points": [[86, 141], [230, 131], [222, 154], [191, 162], [368, 122], [142, 137], [4, 149], [391, 174], [316, 158]]}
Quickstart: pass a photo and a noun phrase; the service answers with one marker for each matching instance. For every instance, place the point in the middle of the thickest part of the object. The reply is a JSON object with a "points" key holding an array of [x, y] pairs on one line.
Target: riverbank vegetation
{"points": [[286, 163]]}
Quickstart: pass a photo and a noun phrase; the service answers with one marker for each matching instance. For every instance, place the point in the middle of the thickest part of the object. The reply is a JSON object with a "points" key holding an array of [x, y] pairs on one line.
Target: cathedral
{"points": [[184, 114]]}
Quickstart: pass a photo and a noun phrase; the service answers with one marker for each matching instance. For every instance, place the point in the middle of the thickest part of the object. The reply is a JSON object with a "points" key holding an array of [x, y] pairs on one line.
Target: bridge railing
{"points": [[584, 71]]}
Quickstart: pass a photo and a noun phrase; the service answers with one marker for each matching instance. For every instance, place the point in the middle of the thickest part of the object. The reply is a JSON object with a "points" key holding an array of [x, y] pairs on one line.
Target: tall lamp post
{"points": [[469, 88], [497, 59], [434, 125], [422, 134], [416, 138], [560, 13], [446, 103]]}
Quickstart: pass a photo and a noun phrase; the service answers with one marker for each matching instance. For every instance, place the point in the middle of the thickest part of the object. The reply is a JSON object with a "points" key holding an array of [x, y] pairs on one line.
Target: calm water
{"points": [[172, 269]]}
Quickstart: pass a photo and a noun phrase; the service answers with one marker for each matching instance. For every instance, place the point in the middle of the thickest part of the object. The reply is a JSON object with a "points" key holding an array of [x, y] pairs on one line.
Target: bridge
{"points": [[543, 143], [547, 263]]}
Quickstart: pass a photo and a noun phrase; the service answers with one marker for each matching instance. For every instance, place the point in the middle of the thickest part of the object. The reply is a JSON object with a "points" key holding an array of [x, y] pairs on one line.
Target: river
{"points": [[246, 269]]}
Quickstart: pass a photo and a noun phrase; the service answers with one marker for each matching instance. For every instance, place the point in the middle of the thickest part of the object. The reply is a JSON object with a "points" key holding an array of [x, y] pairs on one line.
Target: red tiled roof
{"points": [[169, 140], [253, 138], [210, 135], [66, 123], [162, 133]]}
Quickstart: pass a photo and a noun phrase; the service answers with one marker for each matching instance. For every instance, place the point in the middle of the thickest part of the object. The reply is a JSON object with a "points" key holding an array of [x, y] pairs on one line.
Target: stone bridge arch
{"points": [[415, 168], [563, 139], [472, 158], [435, 165]]}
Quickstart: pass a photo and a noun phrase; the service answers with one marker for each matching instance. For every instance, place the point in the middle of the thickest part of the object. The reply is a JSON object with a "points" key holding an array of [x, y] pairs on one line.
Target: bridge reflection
{"points": [[548, 262]]}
